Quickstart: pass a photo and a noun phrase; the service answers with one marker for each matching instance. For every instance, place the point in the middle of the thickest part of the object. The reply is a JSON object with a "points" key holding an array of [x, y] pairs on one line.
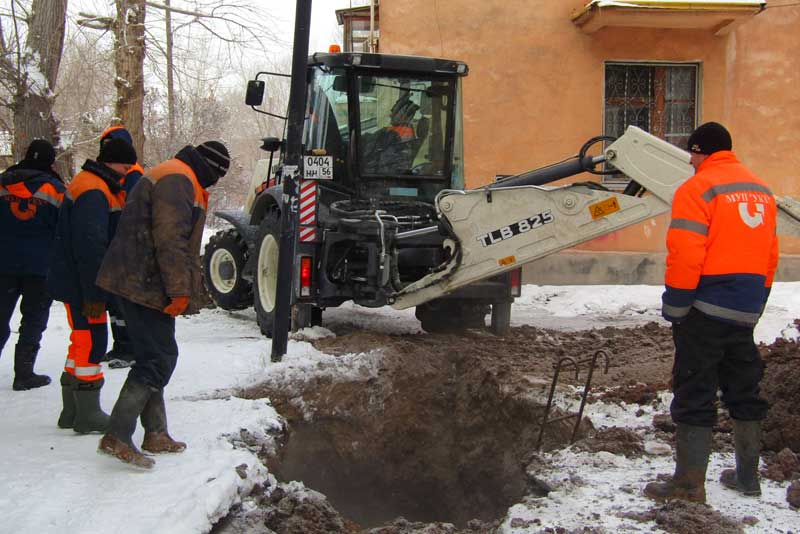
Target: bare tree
{"points": [[231, 23], [129, 52], [86, 93], [28, 71]]}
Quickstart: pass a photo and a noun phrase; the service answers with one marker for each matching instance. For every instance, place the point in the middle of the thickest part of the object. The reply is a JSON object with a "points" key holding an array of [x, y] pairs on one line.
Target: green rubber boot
{"points": [[118, 439], [154, 421], [747, 440], [67, 417], [692, 449], [89, 417]]}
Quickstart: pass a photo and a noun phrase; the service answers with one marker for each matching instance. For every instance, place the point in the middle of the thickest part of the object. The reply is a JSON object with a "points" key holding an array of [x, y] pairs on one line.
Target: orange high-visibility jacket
{"points": [[722, 250]]}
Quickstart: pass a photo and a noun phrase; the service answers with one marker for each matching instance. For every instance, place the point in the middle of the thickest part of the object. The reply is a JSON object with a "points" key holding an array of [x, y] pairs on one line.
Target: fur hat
{"points": [[40, 154], [709, 138], [117, 151], [216, 155]]}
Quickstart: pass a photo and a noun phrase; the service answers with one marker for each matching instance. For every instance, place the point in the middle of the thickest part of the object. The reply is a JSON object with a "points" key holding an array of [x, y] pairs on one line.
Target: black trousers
{"points": [[119, 329], [152, 335], [712, 355], [35, 308]]}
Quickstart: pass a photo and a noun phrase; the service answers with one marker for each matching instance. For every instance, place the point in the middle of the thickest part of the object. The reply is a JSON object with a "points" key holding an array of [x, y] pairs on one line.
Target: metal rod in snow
{"points": [[291, 167]]}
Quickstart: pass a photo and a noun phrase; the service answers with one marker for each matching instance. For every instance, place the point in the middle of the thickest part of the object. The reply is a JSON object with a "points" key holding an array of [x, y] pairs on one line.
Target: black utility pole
{"points": [[291, 171]]}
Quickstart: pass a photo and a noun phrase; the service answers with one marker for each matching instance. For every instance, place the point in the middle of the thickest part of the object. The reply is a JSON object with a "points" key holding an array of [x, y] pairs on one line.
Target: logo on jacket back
{"points": [[23, 209], [752, 221]]}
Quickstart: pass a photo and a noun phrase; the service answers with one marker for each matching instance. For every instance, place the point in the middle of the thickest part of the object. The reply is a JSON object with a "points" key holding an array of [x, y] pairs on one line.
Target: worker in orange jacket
{"points": [[87, 222], [121, 353], [721, 260], [153, 266], [30, 195]]}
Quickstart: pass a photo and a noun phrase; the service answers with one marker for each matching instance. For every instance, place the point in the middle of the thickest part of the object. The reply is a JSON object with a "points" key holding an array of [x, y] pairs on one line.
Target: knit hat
{"points": [[117, 151], [116, 132], [40, 154], [709, 138], [216, 155]]}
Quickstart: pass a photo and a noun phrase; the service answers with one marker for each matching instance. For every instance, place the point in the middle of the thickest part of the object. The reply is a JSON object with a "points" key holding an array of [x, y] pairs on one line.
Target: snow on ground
{"points": [[53, 482]]}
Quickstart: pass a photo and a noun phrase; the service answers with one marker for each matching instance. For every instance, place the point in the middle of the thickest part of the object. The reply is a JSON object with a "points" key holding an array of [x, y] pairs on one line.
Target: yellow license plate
{"points": [[604, 208]]}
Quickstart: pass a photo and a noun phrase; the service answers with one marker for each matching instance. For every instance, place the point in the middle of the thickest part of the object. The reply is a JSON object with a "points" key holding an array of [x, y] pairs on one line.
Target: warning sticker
{"points": [[604, 208]]}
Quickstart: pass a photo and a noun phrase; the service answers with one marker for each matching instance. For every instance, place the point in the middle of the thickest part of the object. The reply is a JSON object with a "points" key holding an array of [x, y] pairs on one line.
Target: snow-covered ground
{"points": [[54, 482]]}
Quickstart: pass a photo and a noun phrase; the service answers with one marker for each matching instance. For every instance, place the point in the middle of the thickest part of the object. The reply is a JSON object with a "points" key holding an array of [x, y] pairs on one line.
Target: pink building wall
{"points": [[534, 94]]}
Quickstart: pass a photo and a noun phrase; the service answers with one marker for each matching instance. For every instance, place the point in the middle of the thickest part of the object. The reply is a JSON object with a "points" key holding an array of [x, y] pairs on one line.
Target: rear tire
{"points": [[442, 315], [501, 318], [224, 259], [265, 278]]}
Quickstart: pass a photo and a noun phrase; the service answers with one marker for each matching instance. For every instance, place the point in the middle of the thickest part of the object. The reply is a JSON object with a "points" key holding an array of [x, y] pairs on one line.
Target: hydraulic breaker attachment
{"points": [[788, 216], [497, 229]]}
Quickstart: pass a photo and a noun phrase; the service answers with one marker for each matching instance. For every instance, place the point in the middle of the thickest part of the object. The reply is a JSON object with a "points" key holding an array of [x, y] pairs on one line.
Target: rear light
{"points": [[305, 276], [515, 281]]}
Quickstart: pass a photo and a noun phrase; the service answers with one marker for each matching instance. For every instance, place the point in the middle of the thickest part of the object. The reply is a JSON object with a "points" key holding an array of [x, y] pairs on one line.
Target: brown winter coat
{"points": [[155, 254]]}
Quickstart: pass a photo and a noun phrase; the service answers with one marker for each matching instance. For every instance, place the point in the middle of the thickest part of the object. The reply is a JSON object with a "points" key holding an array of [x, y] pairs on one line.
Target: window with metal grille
{"points": [[659, 98]]}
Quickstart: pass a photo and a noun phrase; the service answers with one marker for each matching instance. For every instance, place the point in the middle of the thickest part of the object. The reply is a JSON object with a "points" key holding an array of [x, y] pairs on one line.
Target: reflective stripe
{"points": [[48, 198], [88, 371], [736, 187], [4, 193], [749, 319], [676, 311], [70, 363], [690, 225]]}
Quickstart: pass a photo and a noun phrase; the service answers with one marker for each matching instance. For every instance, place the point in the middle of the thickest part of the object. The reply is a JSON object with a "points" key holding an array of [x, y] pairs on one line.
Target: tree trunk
{"points": [[170, 75], [36, 77], [129, 66]]}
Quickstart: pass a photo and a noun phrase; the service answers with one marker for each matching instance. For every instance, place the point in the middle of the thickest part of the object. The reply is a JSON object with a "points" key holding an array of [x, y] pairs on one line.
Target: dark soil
{"points": [[781, 387], [681, 517]]}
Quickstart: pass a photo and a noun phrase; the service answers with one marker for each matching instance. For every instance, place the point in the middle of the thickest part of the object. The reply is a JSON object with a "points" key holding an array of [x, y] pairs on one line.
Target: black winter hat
{"points": [[709, 138], [117, 151], [216, 155], [40, 154]]}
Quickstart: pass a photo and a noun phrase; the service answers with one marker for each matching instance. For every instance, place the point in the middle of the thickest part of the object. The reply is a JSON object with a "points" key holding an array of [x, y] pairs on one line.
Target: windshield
{"points": [[403, 126]]}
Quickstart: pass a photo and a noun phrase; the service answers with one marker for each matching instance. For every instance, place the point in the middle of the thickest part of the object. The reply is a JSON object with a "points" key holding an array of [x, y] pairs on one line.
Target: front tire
{"points": [[224, 258], [265, 278]]}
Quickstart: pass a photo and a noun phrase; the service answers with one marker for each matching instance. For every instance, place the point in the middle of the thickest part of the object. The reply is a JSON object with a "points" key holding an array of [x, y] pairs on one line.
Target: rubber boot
{"points": [[747, 440], [118, 440], [24, 377], [89, 417], [154, 421], [692, 449], [67, 417]]}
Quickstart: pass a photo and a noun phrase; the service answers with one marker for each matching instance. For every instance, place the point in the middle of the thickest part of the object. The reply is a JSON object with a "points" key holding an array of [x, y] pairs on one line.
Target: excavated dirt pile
{"points": [[443, 428], [781, 387]]}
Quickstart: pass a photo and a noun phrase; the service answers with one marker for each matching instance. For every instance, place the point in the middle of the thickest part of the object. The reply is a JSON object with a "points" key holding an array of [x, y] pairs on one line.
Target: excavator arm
{"points": [[508, 224]]}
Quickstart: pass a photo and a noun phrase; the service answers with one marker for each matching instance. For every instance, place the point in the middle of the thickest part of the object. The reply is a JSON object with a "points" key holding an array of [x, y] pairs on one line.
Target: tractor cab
{"points": [[392, 124]]}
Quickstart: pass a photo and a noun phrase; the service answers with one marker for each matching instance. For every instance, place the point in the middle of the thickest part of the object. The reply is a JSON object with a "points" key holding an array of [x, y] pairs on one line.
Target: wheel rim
{"points": [[267, 272], [223, 284]]}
